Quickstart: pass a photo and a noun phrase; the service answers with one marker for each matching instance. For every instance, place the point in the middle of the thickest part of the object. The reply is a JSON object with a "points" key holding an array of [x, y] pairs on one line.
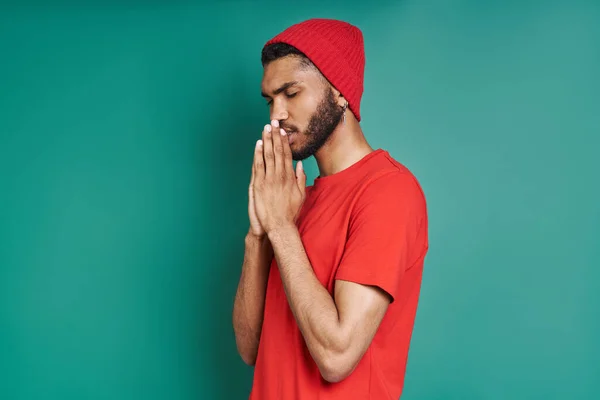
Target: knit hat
{"points": [[336, 48]]}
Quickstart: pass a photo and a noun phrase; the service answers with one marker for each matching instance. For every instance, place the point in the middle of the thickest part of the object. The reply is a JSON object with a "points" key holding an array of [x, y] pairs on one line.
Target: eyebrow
{"points": [[281, 88]]}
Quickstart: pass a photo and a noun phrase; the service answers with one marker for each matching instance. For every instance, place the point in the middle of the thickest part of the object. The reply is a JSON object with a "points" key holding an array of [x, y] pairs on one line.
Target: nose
{"points": [[278, 112]]}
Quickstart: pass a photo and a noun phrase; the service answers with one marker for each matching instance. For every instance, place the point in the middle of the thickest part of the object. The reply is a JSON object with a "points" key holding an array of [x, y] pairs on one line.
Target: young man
{"points": [[332, 272]]}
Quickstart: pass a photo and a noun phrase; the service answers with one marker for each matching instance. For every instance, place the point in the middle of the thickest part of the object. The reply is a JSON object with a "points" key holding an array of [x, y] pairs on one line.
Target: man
{"points": [[332, 272]]}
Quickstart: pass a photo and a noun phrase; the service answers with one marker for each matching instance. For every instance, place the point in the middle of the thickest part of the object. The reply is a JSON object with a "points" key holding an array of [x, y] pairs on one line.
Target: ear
{"points": [[341, 100]]}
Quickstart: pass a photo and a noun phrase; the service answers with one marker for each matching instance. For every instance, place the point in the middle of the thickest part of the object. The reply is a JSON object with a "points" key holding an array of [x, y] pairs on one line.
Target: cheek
{"points": [[299, 139], [301, 114]]}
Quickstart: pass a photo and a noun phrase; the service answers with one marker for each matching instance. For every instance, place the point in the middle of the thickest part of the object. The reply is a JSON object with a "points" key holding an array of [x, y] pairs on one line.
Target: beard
{"points": [[320, 126]]}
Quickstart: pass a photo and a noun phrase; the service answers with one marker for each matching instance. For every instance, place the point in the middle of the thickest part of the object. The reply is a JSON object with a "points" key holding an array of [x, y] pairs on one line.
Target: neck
{"points": [[346, 146]]}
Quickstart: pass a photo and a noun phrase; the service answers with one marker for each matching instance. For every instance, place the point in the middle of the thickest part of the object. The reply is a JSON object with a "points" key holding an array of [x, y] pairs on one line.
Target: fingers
{"points": [[277, 153], [267, 147], [301, 178], [253, 165], [254, 161], [287, 154], [278, 149], [258, 168]]}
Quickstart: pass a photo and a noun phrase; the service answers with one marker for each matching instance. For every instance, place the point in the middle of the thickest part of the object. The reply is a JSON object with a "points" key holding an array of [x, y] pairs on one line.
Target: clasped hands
{"points": [[276, 191]]}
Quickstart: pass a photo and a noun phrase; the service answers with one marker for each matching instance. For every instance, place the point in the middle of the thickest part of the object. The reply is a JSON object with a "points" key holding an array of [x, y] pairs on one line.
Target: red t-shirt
{"points": [[366, 224]]}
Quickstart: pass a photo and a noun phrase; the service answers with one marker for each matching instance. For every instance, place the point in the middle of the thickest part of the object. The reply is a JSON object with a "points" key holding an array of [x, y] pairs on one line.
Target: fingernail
{"points": [[282, 131], [268, 128], [259, 143], [275, 123]]}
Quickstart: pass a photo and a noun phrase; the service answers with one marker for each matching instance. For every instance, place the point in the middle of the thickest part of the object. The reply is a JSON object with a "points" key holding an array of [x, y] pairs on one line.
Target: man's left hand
{"points": [[278, 191]]}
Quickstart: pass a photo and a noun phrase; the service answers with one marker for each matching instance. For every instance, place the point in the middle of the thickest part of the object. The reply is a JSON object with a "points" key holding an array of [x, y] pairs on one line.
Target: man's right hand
{"points": [[249, 305], [256, 228]]}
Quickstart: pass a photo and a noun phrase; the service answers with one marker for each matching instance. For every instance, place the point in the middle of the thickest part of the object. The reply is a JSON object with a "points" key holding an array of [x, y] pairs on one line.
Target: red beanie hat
{"points": [[336, 48]]}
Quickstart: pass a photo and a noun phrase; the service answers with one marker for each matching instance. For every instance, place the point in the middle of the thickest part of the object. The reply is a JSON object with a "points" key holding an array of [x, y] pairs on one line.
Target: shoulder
{"points": [[390, 182], [390, 204]]}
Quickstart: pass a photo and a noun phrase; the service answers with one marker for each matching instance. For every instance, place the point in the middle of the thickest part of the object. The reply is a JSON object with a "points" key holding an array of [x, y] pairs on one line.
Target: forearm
{"points": [[250, 297], [310, 302]]}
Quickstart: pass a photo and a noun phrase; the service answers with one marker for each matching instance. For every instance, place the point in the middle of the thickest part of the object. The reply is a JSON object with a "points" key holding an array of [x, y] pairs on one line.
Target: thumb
{"points": [[301, 177]]}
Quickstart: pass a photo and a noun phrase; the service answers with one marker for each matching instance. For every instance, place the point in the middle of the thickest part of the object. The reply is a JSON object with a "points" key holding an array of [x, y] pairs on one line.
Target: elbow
{"points": [[246, 349], [335, 366], [248, 355], [333, 376], [249, 359]]}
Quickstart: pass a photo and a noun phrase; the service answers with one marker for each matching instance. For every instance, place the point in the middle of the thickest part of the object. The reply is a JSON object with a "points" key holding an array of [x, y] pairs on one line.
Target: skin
{"points": [[339, 329]]}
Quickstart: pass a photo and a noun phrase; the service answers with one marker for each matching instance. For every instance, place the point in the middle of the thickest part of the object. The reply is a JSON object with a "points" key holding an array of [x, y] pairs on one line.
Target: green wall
{"points": [[126, 139]]}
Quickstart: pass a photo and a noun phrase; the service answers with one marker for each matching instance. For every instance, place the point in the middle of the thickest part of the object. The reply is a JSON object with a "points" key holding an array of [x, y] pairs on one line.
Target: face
{"points": [[303, 102]]}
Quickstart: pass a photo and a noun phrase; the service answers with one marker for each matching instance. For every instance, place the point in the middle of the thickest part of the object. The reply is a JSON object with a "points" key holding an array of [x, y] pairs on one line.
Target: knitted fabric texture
{"points": [[336, 48]]}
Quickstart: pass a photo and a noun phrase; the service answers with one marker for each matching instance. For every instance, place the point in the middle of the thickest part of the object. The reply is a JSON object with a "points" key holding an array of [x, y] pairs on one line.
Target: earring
{"points": [[344, 112]]}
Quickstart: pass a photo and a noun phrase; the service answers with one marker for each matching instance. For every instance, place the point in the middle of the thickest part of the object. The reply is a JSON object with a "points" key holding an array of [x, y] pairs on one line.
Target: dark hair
{"points": [[275, 51]]}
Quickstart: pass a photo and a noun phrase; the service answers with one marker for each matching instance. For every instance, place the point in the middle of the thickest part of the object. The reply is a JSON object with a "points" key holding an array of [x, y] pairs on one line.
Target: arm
{"points": [[250, 297], [337, 332], [249, 305]]}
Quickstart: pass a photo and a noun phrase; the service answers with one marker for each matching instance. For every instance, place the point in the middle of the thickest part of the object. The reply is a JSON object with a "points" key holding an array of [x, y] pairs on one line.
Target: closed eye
{"points": [[288, 95]]}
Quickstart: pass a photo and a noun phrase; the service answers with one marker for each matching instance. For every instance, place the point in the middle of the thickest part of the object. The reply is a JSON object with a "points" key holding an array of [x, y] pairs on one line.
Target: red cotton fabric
{"points": [[366, 224], [336, 48]]}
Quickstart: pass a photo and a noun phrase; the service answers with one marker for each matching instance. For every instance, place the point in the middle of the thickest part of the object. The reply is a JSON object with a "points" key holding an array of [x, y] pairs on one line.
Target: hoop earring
{"points": [[344, 113]]}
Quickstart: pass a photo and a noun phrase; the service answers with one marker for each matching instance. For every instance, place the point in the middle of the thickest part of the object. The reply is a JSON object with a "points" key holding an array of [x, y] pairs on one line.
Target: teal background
{"points": [[126, 139]]}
